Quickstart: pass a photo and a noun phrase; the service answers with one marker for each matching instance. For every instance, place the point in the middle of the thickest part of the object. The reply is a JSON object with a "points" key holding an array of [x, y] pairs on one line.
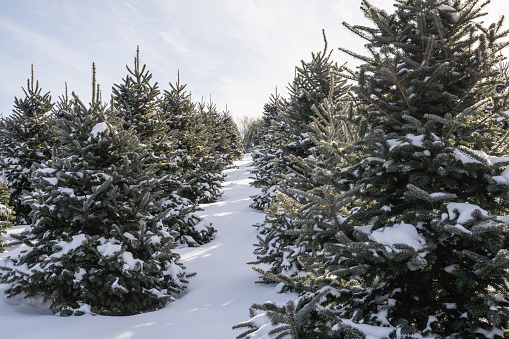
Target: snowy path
{"points": [[217, 298]]}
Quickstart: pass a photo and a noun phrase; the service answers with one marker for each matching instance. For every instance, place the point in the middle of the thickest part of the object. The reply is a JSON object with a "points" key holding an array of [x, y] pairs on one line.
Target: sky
{"points": [[232, 52]]}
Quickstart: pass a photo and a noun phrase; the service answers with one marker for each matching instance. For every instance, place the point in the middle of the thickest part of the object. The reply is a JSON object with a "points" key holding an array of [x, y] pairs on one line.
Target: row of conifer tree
{"points": [[386, 188], [107, 190]]}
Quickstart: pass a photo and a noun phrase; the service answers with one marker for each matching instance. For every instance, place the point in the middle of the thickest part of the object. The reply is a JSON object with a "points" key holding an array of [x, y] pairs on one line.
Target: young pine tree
{"points": [[199, 169], [313, 218], [252, 135], [100, 236], [288, 134], [423, 250], [137, 100], [231, 140], [139, 108], [269, 138], [210, 126], [6, 212], [27, 135], [277, 245], [431, 171]]}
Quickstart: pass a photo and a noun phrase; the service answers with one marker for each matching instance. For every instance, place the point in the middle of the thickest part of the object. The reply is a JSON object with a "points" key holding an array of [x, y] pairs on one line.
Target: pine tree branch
{"points": [[444, 45], [378, 107], [331, 210], [377, 20], [396, 81]]}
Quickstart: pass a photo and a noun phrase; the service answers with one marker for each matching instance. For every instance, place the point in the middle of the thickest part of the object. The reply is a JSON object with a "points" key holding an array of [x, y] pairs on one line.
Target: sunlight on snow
{"points": [[222, 214], [125, 335], [234, 183], [198, 253], [227, 303], [144, 325], [200, 308]]}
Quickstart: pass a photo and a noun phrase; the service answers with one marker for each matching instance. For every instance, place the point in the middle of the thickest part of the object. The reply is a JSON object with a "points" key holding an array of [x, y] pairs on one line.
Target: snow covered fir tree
{"points": [[286, 123], [266, 154], [202, 138], [27, 139], [252, 135], [279, 159], [100, 238], [205, 166], [419, 210], [106, 204], [139, 105], [6, 211]]}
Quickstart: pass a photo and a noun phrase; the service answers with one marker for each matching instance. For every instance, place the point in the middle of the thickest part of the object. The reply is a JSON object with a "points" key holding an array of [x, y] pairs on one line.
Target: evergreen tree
{"points": [[312, 219], [200, 171], [311, 85], [100, 237], [27, 136], [253, 135], [231, 140], [137, 100], [422, 249], [431, 171], [267, 153], [309, 204], [210, 120], [6, 212], [277, 241], [138, 103]]}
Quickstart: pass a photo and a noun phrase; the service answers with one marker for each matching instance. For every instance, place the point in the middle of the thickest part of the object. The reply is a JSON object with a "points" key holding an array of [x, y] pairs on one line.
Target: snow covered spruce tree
{"points": [[100, 239], [6, 212], [231, 146], [138, 103], [432, 186], [252, 135], [27, 136], [222, 137], [137, 100], [422, 250], [313, 217], [200, 171], [209, 123], [288, 132], [314, 85], [266, 155]]}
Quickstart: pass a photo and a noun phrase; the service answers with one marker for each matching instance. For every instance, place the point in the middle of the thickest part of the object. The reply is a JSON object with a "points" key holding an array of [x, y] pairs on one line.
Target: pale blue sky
{"points": [[238, 51]]}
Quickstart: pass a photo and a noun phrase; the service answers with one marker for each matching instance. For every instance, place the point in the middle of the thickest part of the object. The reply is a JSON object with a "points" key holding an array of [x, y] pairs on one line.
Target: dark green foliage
{"points": [[139, 105], [266, 165], [199, 168], [298, 319], [27, 135], [253, 135], [222, 137], [427, 155], [289, 229], [432, 63], [408, 222], [6, 212], [286, 123], [137, 101], [231, 139], [101, 237]]}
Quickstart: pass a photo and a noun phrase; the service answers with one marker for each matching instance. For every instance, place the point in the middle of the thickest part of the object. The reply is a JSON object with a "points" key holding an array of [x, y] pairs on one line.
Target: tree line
{"points": [[386, 187], [107, 190]]}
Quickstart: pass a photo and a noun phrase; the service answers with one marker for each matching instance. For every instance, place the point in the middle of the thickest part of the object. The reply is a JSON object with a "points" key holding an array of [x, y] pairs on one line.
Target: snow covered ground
{"points": [[217, 298]]}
